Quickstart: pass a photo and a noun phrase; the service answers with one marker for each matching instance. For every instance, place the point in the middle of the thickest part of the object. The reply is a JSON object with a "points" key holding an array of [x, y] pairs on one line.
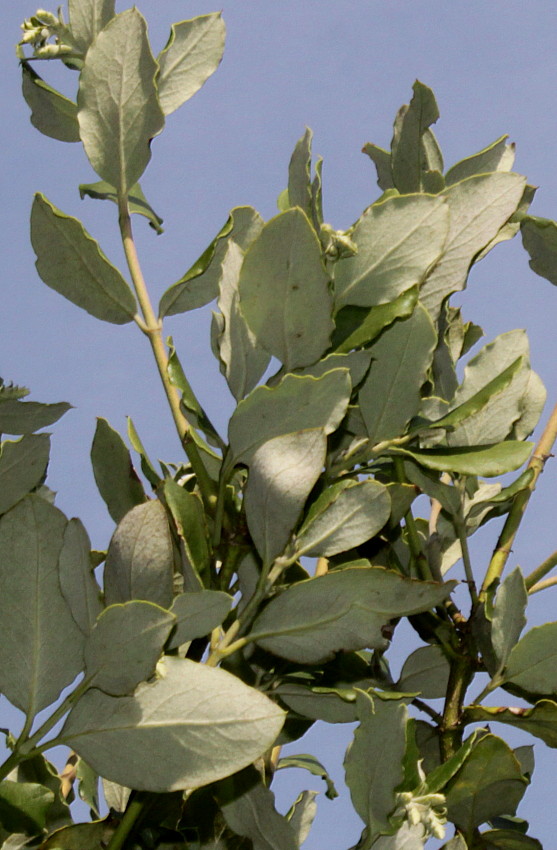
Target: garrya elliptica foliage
{"points": [[253, 586]]}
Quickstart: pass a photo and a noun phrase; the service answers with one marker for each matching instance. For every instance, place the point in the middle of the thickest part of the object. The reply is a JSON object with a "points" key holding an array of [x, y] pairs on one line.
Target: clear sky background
{"points": [[342, 68]]}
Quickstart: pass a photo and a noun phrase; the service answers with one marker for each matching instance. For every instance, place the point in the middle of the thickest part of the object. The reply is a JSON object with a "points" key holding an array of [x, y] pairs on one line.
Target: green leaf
{"points": [[316, 704], [508, 617], [197, 614], [344, 516], [298, 403], [359, 326], [72, 263], [188, 514], [24, 806], [282, 473], [284, 291], [51, 113], [341, 610], [119, 112], [479, 206], [398, 241], [539, 236], [137, 201], [531, 664], [490, 783], [489, 461], [407, 837], [87, 19], [193, 52], [82, 836], [191, 523], [304, 761], [438, 778], [40, 771], [22, 467], [498, 156], [193, 411], [491, 397], [373, 762], [25, 417], [302, 814], [249, 810], [77, 583], [41, 646], [88, 786], [408, 154], [508, 839], [243, 361], [200, 284], [539, 720], [116, 478], [426, 670], [140, 558], [197, 723], [390, 395], [382, 161], [147, 467], [299, 176], [357, 362], [125, 645]]}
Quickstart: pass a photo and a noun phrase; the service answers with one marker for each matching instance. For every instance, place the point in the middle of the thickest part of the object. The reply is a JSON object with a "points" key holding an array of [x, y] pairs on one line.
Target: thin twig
{"points": [[541, 571], [152, 328]]}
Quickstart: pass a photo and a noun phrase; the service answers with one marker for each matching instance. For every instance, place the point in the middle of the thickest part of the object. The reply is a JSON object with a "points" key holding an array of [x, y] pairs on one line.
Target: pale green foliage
{"points": [[210, 644]]}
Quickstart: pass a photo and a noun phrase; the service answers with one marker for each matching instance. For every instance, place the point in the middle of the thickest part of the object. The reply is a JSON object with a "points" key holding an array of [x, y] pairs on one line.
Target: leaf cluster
{"points": [[255, 585]]}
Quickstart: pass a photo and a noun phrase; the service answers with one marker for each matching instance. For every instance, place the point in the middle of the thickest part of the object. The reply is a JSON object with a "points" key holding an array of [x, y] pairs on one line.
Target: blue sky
{"points": [[343, 69]]}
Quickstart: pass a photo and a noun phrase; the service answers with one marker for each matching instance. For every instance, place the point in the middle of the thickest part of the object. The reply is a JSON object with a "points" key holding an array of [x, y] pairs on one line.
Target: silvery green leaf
{"points": [[197, 614], [25, 417], [200, 284], [344, 516], [490, 783], [243, 361], [115, 476], [284, 291], [398, 241], [193, 52], [51, 113], [249, 810], [342, 610], [390, 395], [118, 108], [409, 160], [382, 162], [426, 670], [198, 724], [191, 523], [373, 761], [41, 646], [87, 19], [140, 558], [489, 461], [77, 582], [479, 206], [499, 156], [137, 202], [494, 419], [296, 404], [508, 617], [71, 262], [23, 466], [125, 645], [282, 473], [302, 814]]}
